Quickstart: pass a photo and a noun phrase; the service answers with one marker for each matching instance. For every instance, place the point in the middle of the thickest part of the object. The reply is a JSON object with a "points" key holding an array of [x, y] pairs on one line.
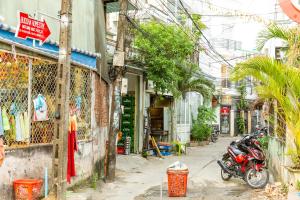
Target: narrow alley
{"points": [[140, 179], [105, 99]]}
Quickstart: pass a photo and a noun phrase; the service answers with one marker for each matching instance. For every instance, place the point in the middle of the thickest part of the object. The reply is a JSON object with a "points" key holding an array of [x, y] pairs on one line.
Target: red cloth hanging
{"points": [[72, 147]]}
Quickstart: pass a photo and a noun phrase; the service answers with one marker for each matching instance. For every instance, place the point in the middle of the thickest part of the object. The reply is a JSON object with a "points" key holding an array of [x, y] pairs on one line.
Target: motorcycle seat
{"points": [[236, 151]]}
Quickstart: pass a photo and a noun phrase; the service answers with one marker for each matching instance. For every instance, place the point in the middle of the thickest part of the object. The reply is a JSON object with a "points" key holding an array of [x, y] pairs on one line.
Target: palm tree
{"points": [[276, 81], [290, 35], [193, 80]]}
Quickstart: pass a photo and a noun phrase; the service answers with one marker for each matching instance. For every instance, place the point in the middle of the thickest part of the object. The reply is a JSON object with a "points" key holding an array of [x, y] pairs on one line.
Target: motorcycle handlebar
{"points": [[245, 139]]}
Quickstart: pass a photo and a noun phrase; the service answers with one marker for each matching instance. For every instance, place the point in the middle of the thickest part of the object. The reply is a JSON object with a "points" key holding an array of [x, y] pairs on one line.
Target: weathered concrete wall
{"points": [[277, 159], [23, 163], [101, 111], [30, 162]]}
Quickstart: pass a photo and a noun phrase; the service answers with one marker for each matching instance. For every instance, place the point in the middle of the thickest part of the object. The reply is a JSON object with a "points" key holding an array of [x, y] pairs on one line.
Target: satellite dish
{"points": [[291, 8]]}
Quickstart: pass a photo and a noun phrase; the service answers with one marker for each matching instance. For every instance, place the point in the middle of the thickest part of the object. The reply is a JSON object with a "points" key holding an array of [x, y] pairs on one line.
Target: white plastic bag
{"points": [[178, 166]]}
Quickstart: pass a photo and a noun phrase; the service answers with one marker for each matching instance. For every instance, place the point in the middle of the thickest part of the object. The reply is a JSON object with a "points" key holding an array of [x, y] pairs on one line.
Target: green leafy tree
{"points": [[197, 19], [242, 106], [165, 50], [241, 124]]}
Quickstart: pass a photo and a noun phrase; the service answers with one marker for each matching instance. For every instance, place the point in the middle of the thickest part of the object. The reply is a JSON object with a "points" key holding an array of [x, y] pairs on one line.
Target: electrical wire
{"points": [[182, 28], [205, 38], [146, 34], [207, 52]]}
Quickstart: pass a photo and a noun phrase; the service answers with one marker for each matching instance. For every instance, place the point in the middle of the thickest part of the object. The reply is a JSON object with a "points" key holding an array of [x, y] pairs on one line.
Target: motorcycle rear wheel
{"points": [[257, 179]]}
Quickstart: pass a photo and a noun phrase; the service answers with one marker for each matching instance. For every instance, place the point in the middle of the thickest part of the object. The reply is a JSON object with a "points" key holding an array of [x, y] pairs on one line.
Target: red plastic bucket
{"points": [[177, 182], [27, 189]]}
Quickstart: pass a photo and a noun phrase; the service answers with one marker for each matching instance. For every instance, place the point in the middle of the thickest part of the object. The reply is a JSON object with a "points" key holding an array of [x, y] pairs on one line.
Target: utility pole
{"points": [[116, 74], [60, 140]]}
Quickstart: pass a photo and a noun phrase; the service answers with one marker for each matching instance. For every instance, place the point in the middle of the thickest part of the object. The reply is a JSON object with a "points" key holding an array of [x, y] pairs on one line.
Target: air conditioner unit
{"points": [[150, 85]]}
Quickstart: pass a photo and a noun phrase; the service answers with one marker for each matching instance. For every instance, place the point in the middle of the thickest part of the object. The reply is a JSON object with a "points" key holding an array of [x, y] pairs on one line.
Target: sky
{"points": [[245, 29]]}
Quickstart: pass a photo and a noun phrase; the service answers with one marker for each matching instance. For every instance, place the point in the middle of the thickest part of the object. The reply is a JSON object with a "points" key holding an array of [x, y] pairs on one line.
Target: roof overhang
{"points": [[49, 49]]}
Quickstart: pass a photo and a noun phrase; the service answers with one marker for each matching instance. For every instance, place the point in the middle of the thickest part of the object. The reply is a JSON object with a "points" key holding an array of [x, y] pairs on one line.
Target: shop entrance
{"points": [[160, 117], [128, 137], [225, 119]]}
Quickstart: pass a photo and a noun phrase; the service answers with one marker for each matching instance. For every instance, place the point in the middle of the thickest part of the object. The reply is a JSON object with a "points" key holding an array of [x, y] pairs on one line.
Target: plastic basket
{"points": [[165, 153], [121, 150], [27, 189], [165, 147], [177, 182]]}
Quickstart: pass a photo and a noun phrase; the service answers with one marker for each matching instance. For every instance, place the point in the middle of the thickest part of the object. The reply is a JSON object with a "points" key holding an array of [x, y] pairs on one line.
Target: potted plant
{"points": [[202, 128], [180, 147]]}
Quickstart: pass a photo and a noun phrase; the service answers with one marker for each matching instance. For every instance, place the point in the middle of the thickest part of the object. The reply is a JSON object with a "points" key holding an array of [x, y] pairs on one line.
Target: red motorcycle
{"points": [[245, 159]]}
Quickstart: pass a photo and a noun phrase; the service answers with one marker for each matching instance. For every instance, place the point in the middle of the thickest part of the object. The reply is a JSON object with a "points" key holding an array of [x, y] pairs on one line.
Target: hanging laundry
{"points": [[78, 101], [5, 120], [40, 109], [13, 109], [12, 132], [19, 137], [72, 147], [1, 125], [26, 127], [22, 123]]}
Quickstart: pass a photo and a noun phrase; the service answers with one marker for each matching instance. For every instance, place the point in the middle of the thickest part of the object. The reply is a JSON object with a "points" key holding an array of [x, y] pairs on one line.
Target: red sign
{"points": [[291, 9], [225, 110], [32, 28]]}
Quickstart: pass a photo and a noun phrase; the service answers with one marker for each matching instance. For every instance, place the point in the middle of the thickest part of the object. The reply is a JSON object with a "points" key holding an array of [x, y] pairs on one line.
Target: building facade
{"points": [[28, 72], [174, 116]]}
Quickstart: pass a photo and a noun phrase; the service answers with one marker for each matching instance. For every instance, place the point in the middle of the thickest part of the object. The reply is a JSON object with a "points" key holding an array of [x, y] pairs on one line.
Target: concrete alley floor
{"points": [[141, 179]]}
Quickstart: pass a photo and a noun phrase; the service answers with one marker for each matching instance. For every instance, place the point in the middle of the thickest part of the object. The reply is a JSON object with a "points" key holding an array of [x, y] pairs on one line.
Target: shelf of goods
{"points": [[127, 123]]}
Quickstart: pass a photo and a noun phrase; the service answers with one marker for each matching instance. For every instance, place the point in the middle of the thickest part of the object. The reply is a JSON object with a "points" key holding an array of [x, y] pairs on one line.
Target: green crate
{"points": [[129, 110]]}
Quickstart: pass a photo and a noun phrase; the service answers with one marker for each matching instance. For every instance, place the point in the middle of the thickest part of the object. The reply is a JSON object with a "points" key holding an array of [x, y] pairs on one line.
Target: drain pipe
{"points": [[46, 182]]}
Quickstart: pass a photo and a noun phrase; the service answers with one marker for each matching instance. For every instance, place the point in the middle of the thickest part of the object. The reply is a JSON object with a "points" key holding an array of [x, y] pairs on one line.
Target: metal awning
{"points": [[50, 48]]}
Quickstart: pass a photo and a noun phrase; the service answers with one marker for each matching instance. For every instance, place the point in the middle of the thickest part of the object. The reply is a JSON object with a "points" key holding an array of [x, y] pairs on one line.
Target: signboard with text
{"points": [[32, 28], [225, 110]]}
